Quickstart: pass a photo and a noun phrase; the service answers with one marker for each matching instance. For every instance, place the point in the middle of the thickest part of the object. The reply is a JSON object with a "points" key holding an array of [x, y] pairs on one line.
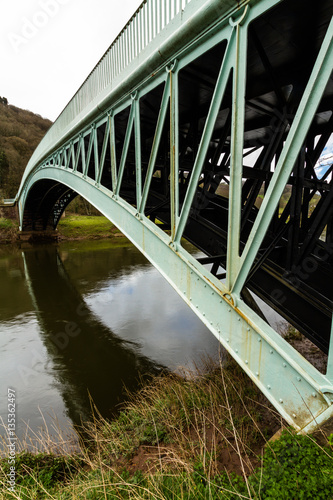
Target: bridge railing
{"points": [[149, 20], [146, 23]]}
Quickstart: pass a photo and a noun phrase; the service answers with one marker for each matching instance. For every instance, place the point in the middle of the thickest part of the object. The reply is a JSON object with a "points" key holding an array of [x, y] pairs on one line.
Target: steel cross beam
{"points": [[133, 166]]}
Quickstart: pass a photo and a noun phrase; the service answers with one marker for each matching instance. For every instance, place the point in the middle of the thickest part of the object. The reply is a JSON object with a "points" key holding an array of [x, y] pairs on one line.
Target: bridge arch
{"points": [[44, 204], [151, 160]]}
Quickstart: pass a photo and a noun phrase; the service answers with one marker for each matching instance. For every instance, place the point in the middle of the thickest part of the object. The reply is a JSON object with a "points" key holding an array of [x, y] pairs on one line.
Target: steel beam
{"points": [[305, 397]]}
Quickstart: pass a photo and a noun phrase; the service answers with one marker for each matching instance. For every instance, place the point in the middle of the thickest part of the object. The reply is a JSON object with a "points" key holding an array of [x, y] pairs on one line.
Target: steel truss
{"points": [[221, 146]]}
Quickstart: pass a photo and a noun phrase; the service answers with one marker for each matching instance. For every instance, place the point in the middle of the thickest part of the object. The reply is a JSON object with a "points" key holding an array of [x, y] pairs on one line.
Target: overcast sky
{"points": [[48, 48]]}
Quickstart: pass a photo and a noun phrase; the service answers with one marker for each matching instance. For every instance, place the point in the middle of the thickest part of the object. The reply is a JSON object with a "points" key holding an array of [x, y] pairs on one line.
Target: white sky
{"points": [[48, 48]]}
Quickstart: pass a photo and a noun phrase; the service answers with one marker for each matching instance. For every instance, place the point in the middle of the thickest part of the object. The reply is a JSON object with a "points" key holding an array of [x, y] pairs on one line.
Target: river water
{"points": [[82, 321]]}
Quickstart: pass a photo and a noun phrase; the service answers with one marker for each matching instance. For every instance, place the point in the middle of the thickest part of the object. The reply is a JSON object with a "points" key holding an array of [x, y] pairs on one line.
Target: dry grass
{"points": [[196, 437], [214, 421]]}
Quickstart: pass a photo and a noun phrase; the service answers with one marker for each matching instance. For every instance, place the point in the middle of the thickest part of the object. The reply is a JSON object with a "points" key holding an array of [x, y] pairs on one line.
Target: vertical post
{"points": [[137, 134], [91, 142], [156, 143], [160, 24], [329, 372], [83, 154], [113, 152], [72, 154], [236, 152], [96, 158], [103, 152], [144, 29], [125, 148], [174, 150]]}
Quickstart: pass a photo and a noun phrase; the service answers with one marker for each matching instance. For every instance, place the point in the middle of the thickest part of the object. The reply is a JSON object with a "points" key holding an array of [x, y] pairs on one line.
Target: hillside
{"points": [[20, 133]]}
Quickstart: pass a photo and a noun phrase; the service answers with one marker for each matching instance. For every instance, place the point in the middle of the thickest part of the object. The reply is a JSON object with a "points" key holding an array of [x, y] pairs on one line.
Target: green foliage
{"points": [[35, 474], [79, 227], [8, 230], [295, 467], [20, 133], [6, 224], [4, 167], [81, 206], [292, 334]]}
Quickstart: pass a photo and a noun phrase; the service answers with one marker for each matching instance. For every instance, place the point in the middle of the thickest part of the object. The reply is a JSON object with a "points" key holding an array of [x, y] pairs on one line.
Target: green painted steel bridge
{"points": [[212, 120]]}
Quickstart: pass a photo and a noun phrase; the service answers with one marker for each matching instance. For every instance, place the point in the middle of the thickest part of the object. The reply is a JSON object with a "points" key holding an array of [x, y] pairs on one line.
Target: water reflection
{"points": [[87, 318], [87, 357]]}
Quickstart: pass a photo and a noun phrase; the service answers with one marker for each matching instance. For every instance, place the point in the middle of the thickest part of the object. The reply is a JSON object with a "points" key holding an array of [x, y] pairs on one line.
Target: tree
{"points": [[4, 167]]}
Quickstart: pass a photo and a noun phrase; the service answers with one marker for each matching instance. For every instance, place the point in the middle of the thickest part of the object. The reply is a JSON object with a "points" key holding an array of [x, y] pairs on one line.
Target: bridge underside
{"points": [[224, 146]]}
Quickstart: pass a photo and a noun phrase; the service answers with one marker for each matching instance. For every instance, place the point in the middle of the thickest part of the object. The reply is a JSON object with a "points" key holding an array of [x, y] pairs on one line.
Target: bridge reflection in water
{"points": [[109, 321], [208, 120], [86, 356]]}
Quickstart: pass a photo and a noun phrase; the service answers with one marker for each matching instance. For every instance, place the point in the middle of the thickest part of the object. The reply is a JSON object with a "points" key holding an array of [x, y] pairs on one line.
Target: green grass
{"points": [[185, 425], [8, 230], [7, 224], [86, 227]]}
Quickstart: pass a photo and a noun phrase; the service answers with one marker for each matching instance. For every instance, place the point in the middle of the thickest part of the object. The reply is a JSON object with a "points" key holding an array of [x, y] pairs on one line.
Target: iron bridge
{"points": [[212, 120]]}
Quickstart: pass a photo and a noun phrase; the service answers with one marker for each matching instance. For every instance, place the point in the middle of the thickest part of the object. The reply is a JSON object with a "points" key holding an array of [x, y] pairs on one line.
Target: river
{"points": [[82, 322]]}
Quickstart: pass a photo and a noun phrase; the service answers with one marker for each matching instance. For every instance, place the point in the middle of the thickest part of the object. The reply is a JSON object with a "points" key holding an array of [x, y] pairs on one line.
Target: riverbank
{"points": [[70, 228], [197, 436], [8, 230]]}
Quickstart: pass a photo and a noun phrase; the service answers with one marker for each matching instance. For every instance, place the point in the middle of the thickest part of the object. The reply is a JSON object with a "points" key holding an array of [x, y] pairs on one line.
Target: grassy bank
{"points": [[201, 436], [8, 230], [79, 227], [72, 227]]}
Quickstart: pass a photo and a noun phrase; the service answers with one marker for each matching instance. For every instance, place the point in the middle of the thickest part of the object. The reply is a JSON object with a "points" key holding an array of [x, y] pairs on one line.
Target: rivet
{"points": [[248, 329], [204, 314], [285, 365], [314, 394], [259, 340], [211, 322], [221, 301], [257, 374], [229, 310], [205, 286], [197, 307], [246, 362], [191, 272], [238, 319], [268, 387], [184, 293], [212, 293], [236, 350], [294, 416], [281, 400], [227, 340], [271, 351], [299, 379], [190, 299]]}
